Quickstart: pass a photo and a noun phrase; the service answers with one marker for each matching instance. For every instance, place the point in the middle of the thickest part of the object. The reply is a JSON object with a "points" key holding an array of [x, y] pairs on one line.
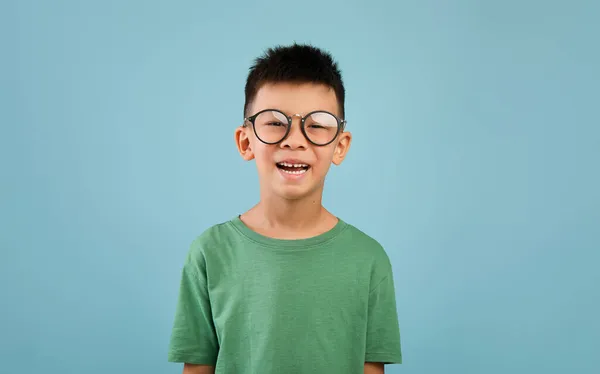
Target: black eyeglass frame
{"points": [[341, 125]]}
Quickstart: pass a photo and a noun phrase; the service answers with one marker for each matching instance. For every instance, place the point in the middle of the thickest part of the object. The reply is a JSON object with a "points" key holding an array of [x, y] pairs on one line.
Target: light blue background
{"points": [[474, 162]]}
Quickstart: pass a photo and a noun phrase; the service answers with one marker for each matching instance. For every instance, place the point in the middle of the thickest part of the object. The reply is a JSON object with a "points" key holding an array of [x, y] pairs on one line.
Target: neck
{"points": [[281, 218], [298, 214]]}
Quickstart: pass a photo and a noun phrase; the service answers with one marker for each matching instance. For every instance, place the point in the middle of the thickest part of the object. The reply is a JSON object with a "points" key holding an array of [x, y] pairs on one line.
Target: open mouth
{"points": [[293, 168]]}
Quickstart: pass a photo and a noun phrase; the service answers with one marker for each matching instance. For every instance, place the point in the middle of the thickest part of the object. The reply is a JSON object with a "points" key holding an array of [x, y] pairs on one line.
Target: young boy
{"points": [[287, 287]]}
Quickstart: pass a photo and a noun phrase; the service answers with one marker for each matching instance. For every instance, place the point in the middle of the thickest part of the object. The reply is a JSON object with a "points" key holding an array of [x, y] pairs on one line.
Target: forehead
{"points": [[293, 98]]}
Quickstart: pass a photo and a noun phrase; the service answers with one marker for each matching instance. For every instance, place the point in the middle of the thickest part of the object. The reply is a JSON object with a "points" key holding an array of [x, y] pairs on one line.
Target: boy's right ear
{"points": [[243, 143]]}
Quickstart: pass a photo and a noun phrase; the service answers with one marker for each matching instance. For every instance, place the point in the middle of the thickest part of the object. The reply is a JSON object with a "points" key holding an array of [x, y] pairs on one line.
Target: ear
{"points": [[242, 141], [342, 147]]}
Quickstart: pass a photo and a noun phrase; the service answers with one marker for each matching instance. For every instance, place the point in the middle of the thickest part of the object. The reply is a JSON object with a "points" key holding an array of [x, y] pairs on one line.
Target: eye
{"points": [[317, 126], [275, 124]]}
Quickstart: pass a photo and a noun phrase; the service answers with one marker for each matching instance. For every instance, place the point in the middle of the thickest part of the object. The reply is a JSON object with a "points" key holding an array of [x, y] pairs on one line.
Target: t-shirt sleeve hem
{"points": [[187, 358], [386, 358]]}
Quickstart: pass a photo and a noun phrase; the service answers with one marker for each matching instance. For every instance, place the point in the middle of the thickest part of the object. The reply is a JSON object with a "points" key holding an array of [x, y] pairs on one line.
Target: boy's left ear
{"points": [[342, 147]]}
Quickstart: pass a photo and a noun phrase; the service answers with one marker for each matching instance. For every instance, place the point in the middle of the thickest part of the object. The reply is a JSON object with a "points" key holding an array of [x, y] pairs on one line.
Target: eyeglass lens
{"points": [[320, 127]]}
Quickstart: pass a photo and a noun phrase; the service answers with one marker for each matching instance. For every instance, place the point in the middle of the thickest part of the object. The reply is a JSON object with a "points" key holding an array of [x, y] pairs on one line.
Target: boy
{"points": [[288, 287]]}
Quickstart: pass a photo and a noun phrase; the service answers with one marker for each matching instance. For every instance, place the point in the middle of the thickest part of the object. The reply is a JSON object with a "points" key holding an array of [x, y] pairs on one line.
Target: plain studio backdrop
{"points": [[474, 162]]}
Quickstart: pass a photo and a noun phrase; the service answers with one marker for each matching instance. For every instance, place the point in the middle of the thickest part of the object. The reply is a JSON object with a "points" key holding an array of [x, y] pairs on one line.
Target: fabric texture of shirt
{"points": [[252, 304]]}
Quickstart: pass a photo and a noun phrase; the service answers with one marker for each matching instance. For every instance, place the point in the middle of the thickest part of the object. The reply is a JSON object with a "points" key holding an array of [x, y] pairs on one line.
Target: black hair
{"points": [[297, 63]]}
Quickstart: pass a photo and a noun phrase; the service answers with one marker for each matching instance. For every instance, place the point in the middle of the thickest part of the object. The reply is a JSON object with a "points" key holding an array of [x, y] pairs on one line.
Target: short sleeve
{"points": [[383, 332], [193, 338]]}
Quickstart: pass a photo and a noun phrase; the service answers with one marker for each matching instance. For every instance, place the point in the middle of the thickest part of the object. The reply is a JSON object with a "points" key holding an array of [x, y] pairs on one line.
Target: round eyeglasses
{"points": [[271, 126]]}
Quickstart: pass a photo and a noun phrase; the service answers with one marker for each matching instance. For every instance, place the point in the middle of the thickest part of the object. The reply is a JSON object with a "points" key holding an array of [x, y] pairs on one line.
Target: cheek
{"points": [[325, 154], [263, 156], [324, 158]]}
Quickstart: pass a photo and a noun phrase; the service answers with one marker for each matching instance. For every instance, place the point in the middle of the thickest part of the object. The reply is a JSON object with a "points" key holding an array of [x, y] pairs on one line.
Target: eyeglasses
{"points": [[271, 126]]}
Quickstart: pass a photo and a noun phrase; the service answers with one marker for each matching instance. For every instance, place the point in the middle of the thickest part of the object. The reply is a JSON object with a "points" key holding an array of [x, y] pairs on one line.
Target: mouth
{"points": [[293, 168]]}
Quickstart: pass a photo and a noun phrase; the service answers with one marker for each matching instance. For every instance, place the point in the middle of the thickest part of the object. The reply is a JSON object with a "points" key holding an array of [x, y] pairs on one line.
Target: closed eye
{"points": [[275, 124]]}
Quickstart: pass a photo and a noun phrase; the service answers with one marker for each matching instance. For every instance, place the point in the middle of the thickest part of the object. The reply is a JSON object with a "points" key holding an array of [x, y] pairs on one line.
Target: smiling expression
{"points": [[293, 168]]}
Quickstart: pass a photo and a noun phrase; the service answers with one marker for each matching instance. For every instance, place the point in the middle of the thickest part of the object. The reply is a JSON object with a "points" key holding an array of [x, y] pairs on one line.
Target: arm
{"points": [[199, 369], [193, 337], [383, 332], [374, 368]]}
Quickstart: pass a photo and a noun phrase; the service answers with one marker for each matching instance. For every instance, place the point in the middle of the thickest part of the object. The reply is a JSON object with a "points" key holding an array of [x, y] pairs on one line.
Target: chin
{"points": [[292, 193], [297, 192]]}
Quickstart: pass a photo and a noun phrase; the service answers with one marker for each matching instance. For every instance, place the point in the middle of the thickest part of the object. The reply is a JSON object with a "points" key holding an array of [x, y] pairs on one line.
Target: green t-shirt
{"points": [[253, 304]]}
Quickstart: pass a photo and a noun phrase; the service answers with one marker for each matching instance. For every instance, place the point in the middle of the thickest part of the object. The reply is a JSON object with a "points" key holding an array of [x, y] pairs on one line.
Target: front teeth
{"points": [[301, 171], [293, 165], [294, 172]]}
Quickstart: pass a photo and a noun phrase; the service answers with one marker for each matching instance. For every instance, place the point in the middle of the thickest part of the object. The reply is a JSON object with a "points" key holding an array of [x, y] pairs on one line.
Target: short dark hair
{"points": [[297, 63]]}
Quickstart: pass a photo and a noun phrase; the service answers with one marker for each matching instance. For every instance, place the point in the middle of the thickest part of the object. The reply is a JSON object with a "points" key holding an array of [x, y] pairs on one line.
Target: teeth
{"points": [[293, 165], [294, 172]]}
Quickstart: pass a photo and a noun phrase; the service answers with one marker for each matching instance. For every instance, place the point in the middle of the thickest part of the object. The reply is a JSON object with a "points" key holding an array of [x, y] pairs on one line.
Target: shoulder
{"points": [[369, 248], [210, 240]]}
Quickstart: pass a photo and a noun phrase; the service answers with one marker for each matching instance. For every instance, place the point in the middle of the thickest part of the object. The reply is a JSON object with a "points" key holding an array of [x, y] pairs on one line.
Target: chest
{"points": [[306, 289]]}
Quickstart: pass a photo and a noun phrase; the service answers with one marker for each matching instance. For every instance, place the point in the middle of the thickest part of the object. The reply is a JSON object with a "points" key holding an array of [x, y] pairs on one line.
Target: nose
{"points": [[295, 138]]}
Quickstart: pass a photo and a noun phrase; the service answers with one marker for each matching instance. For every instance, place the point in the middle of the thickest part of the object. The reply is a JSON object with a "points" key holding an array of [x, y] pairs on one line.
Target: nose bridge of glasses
{"points": [[297, 115], [295, 134], [300, 120]]}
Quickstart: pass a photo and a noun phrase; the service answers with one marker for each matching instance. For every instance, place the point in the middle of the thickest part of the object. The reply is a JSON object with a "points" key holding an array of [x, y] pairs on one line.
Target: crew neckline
{"points": [[246, 231]]}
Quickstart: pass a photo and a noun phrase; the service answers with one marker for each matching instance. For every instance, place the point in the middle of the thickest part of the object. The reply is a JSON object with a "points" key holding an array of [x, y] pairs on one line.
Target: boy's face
{"points": [[275, 177]]}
